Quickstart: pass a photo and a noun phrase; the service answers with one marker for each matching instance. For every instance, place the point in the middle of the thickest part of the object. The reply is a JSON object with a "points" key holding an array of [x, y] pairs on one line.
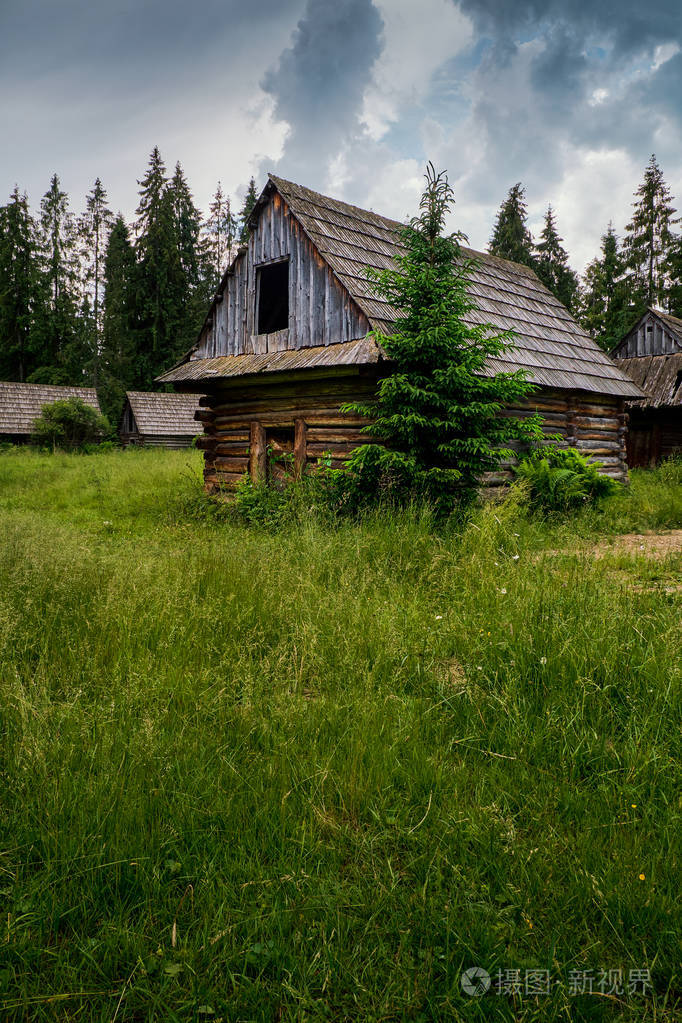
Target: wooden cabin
{"points": [[162, 420], [286, 343], [21, 405], [651, 355]]}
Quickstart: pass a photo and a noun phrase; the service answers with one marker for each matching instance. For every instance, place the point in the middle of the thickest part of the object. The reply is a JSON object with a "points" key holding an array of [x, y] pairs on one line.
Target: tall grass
{"points": [[315, 773]]}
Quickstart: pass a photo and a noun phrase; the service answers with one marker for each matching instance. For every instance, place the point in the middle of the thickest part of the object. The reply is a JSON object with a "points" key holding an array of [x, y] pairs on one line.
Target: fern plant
{"points": [[562, 478]]}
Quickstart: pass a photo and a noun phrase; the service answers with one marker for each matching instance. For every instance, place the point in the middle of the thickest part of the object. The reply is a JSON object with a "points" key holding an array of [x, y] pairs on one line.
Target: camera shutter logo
{"points": [[475, 981]]}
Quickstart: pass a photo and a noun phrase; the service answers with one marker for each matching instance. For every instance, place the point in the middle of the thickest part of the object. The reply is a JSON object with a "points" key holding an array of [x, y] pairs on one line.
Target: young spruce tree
{"points": [[438, 413]]}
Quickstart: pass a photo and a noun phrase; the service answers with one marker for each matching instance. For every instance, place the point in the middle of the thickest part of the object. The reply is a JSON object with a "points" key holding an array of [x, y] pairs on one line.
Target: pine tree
{"points": [[649, 239], [20, 288], [58, 327], [220, 230], [608, 306], [160, 278], [437, 412], [673, 270], [93, 228], [121, 370], [511, 238], [250, 200], [551, 263], [196, 278]]}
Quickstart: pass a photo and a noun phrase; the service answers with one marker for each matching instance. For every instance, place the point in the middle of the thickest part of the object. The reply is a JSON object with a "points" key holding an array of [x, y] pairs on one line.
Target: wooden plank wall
{"points": [[321, 312], [236, 423], [654, 435], [649, 337]]}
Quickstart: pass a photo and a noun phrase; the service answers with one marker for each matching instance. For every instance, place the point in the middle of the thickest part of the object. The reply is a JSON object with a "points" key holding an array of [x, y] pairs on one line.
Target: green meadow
{"points": [[314, 773]]}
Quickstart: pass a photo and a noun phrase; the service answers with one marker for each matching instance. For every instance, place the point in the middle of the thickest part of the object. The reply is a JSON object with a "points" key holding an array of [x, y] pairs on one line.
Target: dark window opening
{"points": [[273, 297], [678, 382]]}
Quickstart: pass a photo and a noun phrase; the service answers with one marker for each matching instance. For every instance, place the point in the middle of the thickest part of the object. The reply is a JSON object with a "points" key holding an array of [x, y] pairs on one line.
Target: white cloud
{"points": [[418, 38], [664, 53]]}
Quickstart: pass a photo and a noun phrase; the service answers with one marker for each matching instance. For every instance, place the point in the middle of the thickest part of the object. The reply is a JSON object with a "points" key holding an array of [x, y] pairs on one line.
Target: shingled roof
{"points": [[163, 415], [549, 345], [21, 404], [659, 376]]}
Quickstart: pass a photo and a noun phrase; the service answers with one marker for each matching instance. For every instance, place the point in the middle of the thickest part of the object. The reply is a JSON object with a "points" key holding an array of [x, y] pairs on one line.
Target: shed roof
{"points": [[550, 346], [164, 415], [21, 404], [659, 376]]}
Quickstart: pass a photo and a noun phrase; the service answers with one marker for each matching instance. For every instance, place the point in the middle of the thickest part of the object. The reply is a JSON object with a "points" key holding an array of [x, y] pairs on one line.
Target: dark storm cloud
{"points": [[319, 82], [570, 73], [630, 24]]}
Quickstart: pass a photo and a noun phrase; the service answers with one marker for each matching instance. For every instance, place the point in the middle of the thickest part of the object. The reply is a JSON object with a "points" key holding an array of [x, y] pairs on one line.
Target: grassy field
{"points": [[314, 774]]}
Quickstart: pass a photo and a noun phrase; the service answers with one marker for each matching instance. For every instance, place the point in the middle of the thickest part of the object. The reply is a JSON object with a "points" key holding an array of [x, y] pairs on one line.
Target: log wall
{"points": [[302, 422]]}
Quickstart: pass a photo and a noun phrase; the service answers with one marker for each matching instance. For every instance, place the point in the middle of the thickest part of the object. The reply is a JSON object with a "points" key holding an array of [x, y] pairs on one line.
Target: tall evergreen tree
{"points": [[159, 279], [608, 306], [649, 237], [121, 370], [511, 238], [93, 228], [196, 279], [674, 274], [220, 230], [551, 264], [250, 200], [58, 329], [20, 291]]}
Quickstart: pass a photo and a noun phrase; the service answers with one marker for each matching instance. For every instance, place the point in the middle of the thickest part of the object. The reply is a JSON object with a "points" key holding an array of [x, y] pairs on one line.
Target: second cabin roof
{"points": [[163, 415]]}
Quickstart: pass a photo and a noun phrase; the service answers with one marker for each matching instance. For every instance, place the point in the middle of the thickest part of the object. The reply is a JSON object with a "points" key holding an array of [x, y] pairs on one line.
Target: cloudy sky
{"points": [[350, 97]]}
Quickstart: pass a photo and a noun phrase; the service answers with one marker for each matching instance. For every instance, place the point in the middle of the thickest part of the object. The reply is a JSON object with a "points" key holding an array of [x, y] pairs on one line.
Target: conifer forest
{"points": [[89, 299]]}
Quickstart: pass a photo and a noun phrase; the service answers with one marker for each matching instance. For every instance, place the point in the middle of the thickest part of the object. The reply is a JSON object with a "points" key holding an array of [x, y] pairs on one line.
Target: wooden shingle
{"points": [[21, 404]]}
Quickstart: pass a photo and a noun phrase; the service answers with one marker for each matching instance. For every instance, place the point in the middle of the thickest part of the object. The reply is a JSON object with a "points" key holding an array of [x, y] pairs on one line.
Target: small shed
{"points": [[288, 342], [651, 355], [164, 420], [21, 405]]}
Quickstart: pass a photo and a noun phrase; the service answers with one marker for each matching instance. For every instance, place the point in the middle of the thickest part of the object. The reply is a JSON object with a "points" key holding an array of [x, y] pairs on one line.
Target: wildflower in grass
{"points": [[439, 618], [503, 591], [543, 660], [642, 877], [633, 805], [515, 557]]}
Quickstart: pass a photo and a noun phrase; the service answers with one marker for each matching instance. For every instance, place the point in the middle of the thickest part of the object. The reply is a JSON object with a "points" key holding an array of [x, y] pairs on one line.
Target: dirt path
{"points": [[650, 545]]}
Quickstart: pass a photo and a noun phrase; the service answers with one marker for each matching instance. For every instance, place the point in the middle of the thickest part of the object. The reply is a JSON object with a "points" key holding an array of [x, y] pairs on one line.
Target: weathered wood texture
{"points": [[155, 419], [22, 404], [654, 434], [254, 429], [651, 355], [321, 312], [656, 333]]}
